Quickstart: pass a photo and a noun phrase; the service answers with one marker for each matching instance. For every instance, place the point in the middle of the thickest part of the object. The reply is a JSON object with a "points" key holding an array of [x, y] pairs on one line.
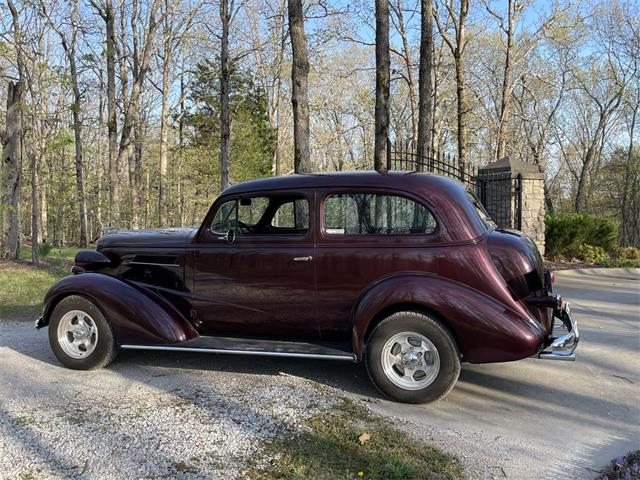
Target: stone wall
{"points": [[533, 209], [500, 182]]}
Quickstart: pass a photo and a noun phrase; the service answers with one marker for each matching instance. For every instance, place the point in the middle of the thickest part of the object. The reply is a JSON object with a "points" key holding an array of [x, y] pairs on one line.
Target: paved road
{"points": [[528, 419], [564, 419]]}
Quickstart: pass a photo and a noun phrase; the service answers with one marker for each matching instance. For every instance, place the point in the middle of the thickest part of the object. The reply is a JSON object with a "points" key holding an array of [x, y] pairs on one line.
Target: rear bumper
{"points": [[562, 347]]}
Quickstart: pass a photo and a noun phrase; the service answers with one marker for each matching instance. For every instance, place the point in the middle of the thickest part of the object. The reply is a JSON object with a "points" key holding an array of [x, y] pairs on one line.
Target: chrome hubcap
{"points": [[77, 334], [410, 360]]}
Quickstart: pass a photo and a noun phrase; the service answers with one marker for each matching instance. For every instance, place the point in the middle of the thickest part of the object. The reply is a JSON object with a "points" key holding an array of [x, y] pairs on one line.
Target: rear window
{"points": [[376, 214], [482, 213]]}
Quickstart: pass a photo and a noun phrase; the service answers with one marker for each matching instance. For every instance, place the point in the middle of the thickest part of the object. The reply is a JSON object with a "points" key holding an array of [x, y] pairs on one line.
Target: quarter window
{"points": [[225, 218], [376, 214]]}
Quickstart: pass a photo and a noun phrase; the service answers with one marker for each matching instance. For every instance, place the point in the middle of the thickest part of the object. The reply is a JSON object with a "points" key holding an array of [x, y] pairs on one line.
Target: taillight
{"points": [[553, 277]]}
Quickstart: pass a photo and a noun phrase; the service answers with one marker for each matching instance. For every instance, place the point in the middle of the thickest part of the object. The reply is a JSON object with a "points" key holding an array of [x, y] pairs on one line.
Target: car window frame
{"points": [[325, 193], [208, 237]]}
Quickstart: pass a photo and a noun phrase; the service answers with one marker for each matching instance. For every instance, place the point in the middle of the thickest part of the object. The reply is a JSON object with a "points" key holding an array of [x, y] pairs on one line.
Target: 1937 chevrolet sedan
{"points": [[404, 271]]}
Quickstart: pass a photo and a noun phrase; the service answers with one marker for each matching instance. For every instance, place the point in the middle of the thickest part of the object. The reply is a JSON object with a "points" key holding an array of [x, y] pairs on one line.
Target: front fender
{"points": [[136, 314], [485, 329]]}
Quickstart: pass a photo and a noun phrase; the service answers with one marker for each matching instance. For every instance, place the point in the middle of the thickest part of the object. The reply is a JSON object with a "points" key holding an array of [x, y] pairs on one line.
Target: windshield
{"points": [[482, 213]]}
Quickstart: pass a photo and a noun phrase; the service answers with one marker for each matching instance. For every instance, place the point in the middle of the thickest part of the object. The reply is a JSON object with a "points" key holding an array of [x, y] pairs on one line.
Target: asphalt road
{"points": [[528, 419], [564, 419]]}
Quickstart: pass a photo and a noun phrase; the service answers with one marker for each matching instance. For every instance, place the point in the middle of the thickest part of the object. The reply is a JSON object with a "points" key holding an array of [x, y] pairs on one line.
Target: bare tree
{"points": [[383, 76], [107, 12], [300, 88], [425, 81], [225, 120], [457, 45], [69, 45], [12, 149]]}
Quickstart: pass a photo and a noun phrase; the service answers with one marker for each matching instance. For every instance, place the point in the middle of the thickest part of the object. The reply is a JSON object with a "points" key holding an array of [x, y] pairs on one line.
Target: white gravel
{"points": [[135, 419]]}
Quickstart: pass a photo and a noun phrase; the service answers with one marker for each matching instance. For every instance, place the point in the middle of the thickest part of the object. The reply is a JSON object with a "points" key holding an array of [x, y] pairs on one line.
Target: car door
{"points": [[365, 235], [263, 281]]}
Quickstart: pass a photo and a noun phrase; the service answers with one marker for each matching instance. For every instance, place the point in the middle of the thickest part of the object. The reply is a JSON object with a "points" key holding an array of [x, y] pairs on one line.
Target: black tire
{"points": [[104, 349], [437, 334]]}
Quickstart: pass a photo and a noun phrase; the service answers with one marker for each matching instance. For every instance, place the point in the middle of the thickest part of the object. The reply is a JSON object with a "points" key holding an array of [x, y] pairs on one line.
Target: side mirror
{"points": [[230, 236]]}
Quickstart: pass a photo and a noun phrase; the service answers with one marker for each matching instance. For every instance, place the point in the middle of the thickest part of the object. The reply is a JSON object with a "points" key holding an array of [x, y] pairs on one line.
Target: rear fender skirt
{"points": [[137, 315], [485, 329]]}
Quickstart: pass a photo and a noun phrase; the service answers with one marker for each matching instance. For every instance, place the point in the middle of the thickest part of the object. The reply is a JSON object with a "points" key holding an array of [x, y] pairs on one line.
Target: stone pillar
{"points": [[513, 193]]}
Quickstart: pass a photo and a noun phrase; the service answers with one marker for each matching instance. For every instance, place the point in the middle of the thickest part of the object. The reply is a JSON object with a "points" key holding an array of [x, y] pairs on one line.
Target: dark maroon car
{"points": [[404, 271]]}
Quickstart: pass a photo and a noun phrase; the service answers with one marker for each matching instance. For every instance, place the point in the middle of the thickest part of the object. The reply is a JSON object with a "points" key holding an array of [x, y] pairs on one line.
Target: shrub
{"points": [[44, 249], [628, 253], [589, 253], [564, 233]]}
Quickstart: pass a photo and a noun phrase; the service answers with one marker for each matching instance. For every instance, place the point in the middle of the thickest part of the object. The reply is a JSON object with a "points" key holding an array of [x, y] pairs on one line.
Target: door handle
{"points": [[302, 259]]}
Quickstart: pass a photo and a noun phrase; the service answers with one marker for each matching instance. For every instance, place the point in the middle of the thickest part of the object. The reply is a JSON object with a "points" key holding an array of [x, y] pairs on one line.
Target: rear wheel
{"points": [[79, 334], [413, 358]]}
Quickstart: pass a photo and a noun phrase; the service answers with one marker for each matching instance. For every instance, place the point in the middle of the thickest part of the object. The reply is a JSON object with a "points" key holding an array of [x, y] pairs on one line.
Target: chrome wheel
{"points": [[410, 360], [77, 334]]}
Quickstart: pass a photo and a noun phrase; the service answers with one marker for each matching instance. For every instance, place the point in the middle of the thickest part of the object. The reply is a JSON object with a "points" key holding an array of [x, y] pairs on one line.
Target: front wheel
{"points": [[412, 358], [79, 334]]}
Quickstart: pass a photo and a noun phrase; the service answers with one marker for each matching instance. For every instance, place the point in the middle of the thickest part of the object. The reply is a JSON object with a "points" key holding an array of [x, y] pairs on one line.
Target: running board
{"points": [[251, 346]]}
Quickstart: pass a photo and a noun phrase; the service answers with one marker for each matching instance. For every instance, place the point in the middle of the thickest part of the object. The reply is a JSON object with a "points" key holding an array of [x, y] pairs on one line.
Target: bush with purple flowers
{"points": [[626, 467]]}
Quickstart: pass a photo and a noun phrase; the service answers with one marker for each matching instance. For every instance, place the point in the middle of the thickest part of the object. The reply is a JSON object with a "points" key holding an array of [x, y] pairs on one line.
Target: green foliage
{"points": [[590, 253], [44, 249], [253, 140], [329, 448], [628, 253], [564, 233]]}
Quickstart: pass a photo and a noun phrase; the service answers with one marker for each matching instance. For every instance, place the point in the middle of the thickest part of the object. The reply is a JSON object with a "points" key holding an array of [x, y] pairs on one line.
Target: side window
{"points": [[225, 218], [263, 215], [376, 214], [293, 214]]}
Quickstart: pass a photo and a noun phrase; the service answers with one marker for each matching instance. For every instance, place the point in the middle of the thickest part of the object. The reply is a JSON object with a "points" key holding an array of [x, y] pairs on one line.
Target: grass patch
{"points": [[23, 285], [329, 448]]}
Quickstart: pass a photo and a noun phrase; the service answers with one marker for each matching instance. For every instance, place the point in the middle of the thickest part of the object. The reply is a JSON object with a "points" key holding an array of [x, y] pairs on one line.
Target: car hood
{"points": [[168, 237]]}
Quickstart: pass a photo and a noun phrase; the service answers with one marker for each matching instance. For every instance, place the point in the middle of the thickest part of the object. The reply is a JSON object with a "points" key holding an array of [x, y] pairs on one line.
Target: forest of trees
{"points": [[137, 113]]}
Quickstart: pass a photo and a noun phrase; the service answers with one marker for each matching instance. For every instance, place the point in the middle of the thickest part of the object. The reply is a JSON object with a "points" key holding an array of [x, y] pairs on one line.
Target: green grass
{"points": [[23, 285], [328, 448]]}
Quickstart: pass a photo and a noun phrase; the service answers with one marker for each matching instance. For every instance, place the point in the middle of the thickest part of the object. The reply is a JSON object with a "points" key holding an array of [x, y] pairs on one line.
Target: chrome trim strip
{"points": [[351, 357], [153, 264]]}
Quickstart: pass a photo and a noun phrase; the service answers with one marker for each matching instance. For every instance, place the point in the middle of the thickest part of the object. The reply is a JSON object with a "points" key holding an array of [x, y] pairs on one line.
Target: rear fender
{"points": [[485, 329], [136, 314]]}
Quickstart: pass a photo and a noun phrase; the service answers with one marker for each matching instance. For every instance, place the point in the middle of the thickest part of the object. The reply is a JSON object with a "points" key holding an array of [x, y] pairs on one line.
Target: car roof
{"points": [[447, 197], [394, 179]]}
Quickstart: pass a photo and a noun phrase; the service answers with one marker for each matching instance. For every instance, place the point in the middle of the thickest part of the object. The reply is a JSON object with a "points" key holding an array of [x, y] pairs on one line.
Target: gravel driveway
{"points": [[187, 415]]}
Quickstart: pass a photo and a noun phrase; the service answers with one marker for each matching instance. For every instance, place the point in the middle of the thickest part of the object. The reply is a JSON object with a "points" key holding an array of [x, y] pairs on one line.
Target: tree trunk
{"points": [[225, 120], [505, 101], [12, 170], [300, 95], [35, 240], [462, 116], [12, 151], [164, 129], [380, 160], [77, 127], [131, 110], [112, 125], [425, 90]]}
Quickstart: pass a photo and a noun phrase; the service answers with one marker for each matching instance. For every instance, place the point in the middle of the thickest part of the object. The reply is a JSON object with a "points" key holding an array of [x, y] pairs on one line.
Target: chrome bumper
{"points": [[564, 346]]}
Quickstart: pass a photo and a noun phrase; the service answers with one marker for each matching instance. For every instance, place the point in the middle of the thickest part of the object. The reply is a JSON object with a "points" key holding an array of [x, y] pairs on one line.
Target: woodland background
{"points": [[135, 113]]}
